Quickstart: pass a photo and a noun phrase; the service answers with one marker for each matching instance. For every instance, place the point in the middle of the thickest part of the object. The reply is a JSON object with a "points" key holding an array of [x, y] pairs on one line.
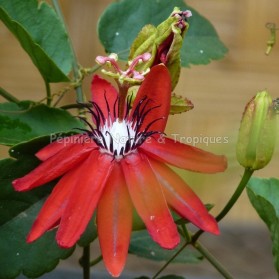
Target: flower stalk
{"points": [[85, 262], [96, 261], [245, 179]]}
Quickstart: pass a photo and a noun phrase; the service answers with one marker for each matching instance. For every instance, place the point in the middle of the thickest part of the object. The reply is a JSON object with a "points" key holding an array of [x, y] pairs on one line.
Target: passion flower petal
{"points": [[149, 201], [83, 200], [53, 208], [60, 143], [114, 222], [156, 88], [184, 156], [54, 167], [183, 199]]}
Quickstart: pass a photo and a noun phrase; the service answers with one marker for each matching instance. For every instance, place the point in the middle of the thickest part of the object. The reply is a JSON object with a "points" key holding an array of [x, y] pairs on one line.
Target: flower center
{"points": [[119, 138]]}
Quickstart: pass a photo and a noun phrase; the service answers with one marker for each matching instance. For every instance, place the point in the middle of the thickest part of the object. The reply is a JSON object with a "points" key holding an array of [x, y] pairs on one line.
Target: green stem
{"points": [[245, 178], [170, 260], [59, 99], [79, 93], [213, 260], [85, 262], [8, 96], [95, 261], [93, 69], [48, 93], [241, 186], [187, 235]]}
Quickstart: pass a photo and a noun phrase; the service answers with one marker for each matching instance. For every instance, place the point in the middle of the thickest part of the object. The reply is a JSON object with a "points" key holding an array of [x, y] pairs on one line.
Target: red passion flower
{"points": [[118, 165]]}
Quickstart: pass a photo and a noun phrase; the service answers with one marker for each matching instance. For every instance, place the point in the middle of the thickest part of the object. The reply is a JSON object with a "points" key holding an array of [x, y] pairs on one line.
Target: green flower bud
{"points": [[163, 42], [257, 133]]}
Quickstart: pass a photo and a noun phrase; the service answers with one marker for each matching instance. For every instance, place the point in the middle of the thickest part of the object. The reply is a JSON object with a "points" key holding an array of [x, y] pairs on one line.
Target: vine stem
{"points": [[8, 96], [245, 178], [97, 260], [48, 93], [241, 186], [79, 93], [213, 260]]}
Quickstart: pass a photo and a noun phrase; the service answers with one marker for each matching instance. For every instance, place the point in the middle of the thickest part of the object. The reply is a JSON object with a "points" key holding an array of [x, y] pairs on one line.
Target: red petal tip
{"points": [[64, 245], [115, 269], [211, 225], [30, 239], [18, 185]]}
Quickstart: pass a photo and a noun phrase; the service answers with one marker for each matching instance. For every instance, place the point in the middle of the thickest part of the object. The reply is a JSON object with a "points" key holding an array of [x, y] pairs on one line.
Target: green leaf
{"points": [[180, 104], [143, 246], [201, 44], [18, 211], [31, 147], [27, 120], [13, 203], [122, 21], [263, 194], [41, 34]]}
